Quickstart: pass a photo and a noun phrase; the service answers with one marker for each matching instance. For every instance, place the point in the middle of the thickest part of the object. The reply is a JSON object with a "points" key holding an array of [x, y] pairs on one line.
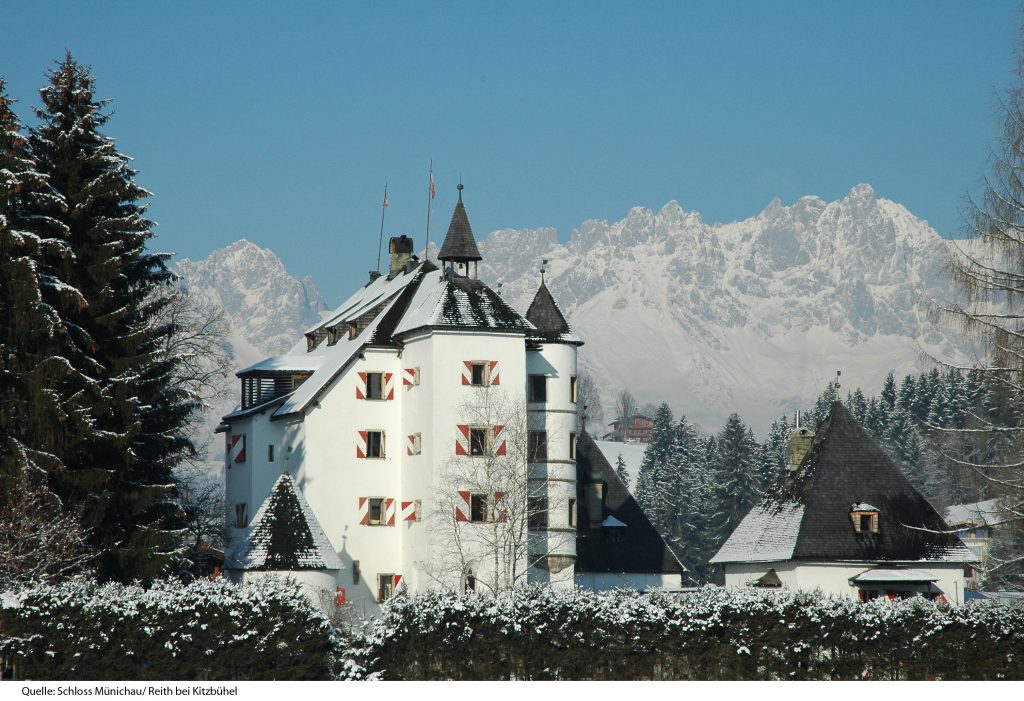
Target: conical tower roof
{"points": [[459, 245], [285, 535], [548, 318]]}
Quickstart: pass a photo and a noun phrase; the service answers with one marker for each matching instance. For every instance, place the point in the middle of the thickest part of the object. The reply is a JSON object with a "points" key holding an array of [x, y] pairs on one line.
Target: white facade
{"points": [[390, 511], [834, 578]]}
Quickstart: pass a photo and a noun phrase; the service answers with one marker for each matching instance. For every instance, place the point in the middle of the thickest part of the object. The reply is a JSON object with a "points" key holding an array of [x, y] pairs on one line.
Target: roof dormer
{"points": [[865, 518]]}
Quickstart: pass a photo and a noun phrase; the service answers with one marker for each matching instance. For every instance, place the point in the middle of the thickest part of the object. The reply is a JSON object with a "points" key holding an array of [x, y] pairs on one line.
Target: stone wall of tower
{"points": [[553, 479]]}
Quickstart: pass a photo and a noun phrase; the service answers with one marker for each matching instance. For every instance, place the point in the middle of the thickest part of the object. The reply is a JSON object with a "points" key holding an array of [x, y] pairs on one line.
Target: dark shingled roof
{"points": [[284, 535], [636, 548], [845, 466], [547, 317], [459, 245]]}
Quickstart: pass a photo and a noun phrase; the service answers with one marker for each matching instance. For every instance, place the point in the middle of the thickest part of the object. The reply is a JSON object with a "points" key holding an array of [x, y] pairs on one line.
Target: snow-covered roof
{"points": [[806, 516], [285, 363], [445, 300], [767, 534], [863, 506], [986, 512], [897, 575], [284, 535], [551, 325]]}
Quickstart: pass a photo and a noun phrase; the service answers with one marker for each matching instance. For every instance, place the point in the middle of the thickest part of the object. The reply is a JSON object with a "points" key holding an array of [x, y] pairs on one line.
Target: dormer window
{"points": [[864, 518]]}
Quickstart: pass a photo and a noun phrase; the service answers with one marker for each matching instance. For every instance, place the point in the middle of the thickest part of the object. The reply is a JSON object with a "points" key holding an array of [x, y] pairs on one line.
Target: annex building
{"points": [[846, 521]]}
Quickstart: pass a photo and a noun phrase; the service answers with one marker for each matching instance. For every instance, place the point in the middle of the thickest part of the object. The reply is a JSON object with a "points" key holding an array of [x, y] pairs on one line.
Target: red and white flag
{"points": [[433, 192], [385, 198]]}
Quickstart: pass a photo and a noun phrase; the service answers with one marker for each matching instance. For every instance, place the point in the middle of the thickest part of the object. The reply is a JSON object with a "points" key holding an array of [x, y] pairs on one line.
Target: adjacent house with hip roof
{"points": [[845, 520]]}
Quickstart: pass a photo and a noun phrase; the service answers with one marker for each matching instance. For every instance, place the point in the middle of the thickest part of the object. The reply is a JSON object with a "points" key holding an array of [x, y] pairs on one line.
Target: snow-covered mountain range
{"points": [[753, 316], [265, 308]]}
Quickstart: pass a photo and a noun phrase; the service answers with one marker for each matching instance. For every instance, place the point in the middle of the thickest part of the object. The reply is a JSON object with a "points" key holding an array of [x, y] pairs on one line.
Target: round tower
{"points": [[551, 395]]}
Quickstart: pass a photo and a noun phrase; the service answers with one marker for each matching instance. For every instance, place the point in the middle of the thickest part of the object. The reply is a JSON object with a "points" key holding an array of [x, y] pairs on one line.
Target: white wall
{"points": [[833, 578]]}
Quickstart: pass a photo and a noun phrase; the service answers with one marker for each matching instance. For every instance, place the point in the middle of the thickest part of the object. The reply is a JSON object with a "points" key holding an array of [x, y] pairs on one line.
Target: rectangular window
{"points": [[385, 587], [479, 378], [374, 385], [572, 446], [374, 444], [573, 389], [572, 513], [536, 513], [270, 453], [241, 515], [538, 388], [537, 446], [865, 523], [478, 443], [376, 511], [478, 508]]}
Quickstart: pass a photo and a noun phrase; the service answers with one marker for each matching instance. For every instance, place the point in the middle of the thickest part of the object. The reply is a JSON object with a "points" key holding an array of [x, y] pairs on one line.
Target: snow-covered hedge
{"points": [[711, 634], [200, 631]]}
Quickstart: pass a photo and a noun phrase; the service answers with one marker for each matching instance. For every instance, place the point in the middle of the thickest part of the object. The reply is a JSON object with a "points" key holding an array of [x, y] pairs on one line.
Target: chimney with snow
{"points": [[400, 248], [800, 441]]}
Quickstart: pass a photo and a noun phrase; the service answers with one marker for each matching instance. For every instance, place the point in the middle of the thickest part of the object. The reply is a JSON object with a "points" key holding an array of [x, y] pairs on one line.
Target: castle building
{"points": [[845, 521], [423, 435]]}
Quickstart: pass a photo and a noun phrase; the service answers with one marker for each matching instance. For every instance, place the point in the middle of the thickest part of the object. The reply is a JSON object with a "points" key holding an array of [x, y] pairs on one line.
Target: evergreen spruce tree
{"points": [[905, 396], [654, 484], [737, 482], [39, 413], [621, 471], [122, 473], [858, 405], [773, 455], [889, 392]]}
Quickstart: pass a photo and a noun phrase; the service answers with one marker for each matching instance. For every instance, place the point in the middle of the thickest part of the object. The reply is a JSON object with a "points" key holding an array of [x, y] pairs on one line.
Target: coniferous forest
{"points": [[937, 426]]}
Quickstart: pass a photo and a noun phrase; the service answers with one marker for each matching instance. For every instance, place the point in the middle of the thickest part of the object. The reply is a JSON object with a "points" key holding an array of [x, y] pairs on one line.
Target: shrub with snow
{"points": [[713, 634], [205, 630]]}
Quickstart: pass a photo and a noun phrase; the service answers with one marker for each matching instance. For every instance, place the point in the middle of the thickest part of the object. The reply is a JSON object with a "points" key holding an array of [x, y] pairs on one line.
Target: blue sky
{"points": [[281, 122]]}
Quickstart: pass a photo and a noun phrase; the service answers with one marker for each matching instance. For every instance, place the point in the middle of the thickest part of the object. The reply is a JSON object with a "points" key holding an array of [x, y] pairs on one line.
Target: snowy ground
{"points": [[632, 454]]}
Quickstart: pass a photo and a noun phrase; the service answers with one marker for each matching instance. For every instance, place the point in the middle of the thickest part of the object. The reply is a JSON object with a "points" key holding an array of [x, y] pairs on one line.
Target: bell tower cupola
{"points": [[459, 247]]}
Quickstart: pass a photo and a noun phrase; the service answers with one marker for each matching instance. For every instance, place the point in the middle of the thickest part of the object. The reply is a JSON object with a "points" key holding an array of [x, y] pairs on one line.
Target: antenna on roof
{"points": [[380, 243]]}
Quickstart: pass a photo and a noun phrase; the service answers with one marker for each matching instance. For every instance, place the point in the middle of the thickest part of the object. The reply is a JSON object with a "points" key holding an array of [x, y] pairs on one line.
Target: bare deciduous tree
{"points": [[205, 367], [589, 409], [39, 541], [201, 497], [625, 404], [989, 269], [485, 502]]}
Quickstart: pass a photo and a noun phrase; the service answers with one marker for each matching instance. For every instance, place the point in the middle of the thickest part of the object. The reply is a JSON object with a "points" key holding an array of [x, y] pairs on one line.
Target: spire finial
{"points": [[460, 186], [543, 269]]}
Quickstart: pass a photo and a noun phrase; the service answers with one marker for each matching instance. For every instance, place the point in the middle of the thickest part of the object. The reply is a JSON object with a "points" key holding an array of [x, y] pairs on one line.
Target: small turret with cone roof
{"points": [[459, 247]]}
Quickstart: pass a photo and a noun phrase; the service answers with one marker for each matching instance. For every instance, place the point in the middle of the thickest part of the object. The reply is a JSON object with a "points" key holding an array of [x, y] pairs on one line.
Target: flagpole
{"points": [[383, 206], [430, 185]]}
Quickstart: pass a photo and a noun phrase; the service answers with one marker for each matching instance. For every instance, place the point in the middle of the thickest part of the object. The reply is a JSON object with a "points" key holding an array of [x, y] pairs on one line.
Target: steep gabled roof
{"points": [[807, 515], [284, 535], [637, 547], [459, 245], [549, 320]]}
